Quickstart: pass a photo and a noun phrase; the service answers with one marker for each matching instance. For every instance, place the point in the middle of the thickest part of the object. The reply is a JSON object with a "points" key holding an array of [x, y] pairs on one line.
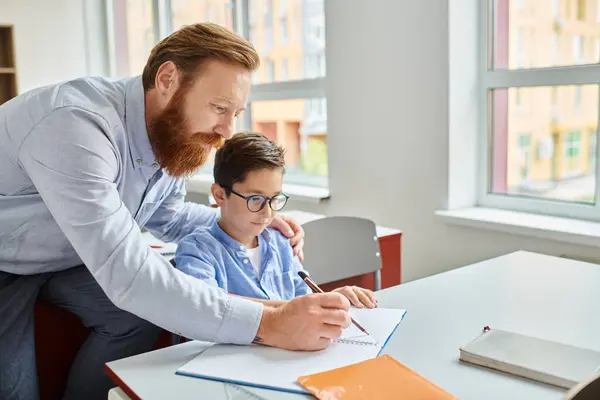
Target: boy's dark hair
{"points": [[243, 153]]}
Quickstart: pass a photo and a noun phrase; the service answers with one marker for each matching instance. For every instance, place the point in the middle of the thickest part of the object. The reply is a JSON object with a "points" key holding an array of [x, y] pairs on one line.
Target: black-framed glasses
{"points": [[257, 202]]}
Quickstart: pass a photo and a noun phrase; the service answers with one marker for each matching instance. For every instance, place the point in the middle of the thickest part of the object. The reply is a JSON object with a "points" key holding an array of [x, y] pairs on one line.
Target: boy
{"points": [[239, 253]]}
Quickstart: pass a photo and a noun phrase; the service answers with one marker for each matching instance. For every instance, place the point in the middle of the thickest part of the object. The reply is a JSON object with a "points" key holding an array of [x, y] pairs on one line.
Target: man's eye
{"points": [[220, 109]]}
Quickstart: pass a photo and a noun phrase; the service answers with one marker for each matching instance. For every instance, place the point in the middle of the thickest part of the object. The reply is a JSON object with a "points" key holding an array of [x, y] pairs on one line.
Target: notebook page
{"points": [[269, 367], [379, 322]]}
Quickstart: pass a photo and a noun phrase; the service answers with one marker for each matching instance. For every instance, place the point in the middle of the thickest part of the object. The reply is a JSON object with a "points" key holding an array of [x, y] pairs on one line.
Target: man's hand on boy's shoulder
{"points": [[290, 229], [359, 297]]}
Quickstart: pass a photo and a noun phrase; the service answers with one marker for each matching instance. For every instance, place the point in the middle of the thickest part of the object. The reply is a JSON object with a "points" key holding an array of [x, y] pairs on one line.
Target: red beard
{"points": [[180, 154]]}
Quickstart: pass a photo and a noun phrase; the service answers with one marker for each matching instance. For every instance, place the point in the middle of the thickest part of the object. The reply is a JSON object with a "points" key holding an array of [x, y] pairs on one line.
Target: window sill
{"points": [[565, 230], [201, 183]]}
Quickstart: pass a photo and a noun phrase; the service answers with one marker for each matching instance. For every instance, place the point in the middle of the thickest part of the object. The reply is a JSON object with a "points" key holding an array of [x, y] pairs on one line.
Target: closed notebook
{"points": [[378, 378], [542, 360]]}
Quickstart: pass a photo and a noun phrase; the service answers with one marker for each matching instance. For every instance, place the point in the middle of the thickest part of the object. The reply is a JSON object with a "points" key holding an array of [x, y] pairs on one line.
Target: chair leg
{"points": [[377, 280]]}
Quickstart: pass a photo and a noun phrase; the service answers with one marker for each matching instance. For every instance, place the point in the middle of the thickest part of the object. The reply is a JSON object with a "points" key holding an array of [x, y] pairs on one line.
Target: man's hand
{"points": [[292, 230], [358, 296], [305, 323]]}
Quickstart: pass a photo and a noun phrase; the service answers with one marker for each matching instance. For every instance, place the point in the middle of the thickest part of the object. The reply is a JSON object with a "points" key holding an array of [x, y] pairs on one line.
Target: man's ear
{"points": [[218, 194], [167, 79]]}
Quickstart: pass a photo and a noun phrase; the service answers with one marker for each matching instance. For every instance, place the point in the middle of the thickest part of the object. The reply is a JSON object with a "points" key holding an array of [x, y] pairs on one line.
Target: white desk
{"points": [[548, 297]]}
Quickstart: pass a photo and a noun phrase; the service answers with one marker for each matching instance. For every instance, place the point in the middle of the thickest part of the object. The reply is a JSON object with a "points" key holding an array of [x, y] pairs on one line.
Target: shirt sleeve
{"points": [[192, 260], [300, 287], [74, 166], [176, 218]]}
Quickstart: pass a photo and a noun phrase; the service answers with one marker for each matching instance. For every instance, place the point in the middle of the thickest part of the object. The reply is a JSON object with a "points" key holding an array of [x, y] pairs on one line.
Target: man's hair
{"points": [[192, 45], [243, 153]]}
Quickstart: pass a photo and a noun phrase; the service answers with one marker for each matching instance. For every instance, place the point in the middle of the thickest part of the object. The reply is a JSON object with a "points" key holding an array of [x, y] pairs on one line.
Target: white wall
{"points": [[50, 40]]}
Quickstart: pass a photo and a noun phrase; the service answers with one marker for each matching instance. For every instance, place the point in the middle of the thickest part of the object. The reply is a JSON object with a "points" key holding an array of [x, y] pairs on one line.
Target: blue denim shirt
{"points": [[215, 257], [78, 179]]}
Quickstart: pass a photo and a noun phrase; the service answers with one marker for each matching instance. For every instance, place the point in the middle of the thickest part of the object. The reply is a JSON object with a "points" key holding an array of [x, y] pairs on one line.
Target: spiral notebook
{"points": [[277, 369]]}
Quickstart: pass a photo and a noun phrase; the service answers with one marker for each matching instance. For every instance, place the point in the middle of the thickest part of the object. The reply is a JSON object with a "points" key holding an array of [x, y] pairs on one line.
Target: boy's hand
{"points": [[358, 296]]}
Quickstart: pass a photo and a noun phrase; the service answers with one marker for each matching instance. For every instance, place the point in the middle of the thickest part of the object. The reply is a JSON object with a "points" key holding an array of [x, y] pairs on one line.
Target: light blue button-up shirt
{"points": [[78, 179], [213, 256]]}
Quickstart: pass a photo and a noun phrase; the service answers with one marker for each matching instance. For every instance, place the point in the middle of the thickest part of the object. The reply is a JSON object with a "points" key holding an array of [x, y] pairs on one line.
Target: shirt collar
{"points": [[135, 120], [230, 242]]}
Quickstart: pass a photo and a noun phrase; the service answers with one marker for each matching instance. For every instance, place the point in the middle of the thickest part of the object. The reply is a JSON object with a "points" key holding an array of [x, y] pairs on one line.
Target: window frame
{"points": [[490, 79], [306, 89]]}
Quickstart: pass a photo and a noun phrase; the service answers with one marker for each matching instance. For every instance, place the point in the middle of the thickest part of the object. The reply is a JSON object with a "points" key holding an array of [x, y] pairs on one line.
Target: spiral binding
{"points": [[241, 393], [357, 342]]}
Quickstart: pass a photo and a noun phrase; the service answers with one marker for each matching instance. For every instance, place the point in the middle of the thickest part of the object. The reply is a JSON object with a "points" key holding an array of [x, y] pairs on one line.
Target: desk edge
{"points": [[120, 383]]}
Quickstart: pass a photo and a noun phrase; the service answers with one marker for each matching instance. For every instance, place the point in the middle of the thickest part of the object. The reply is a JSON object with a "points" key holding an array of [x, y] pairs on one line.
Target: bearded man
{"points": [[84, 166]]}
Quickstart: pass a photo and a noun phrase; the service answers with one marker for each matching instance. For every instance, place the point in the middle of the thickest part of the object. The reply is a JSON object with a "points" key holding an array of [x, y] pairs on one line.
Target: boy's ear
{"points": [[218, 194]]}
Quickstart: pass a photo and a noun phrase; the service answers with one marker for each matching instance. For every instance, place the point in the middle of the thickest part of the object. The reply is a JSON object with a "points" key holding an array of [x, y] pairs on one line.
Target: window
{"points": [[524, 149], [578, 49], [267, 23], [519, 56], [187, 12], [577, 98], [287, 101], [592, 152], [283, 7], [300, 126], [132, 35], [572, 154], [283, 28], [539, 111], [581, 9], [285, 72], [555, 48], [270, 71]]}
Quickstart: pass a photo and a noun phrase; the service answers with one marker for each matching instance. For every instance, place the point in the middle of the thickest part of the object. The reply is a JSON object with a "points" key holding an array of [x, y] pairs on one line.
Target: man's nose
{"points": [[225, 128]]}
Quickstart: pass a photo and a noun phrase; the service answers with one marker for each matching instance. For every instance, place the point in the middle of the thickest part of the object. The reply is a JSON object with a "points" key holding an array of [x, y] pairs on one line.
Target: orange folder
{"points": [[378, 378]]}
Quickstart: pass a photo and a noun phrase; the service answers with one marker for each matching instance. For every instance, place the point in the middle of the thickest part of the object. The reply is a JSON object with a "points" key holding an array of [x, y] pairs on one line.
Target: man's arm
{"points": [[270, 303], [73, 166], [176, 218]]}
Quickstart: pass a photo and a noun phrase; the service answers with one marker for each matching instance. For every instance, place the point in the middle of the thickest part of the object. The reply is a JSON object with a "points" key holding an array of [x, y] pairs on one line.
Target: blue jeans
{"points": [[114, 333]]}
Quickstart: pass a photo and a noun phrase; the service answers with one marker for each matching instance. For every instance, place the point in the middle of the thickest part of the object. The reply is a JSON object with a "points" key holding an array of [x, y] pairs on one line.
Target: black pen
{"points": [[315, 288]]}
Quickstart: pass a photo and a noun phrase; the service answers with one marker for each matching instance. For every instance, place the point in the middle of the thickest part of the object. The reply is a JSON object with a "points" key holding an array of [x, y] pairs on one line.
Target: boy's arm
{"points": [[193, 260], [300, 287]]}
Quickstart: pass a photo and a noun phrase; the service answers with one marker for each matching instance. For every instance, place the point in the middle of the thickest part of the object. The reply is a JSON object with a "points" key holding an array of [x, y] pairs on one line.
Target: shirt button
{"points": [[241, 247], [245, 261]]}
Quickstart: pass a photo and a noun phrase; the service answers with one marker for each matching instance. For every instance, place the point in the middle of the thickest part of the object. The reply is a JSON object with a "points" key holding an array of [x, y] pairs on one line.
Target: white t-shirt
{"points": [[255, 259]]}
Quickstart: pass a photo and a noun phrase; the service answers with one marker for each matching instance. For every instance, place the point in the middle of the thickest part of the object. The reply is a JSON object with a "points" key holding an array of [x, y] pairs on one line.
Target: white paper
{"points": [[264, 366]]}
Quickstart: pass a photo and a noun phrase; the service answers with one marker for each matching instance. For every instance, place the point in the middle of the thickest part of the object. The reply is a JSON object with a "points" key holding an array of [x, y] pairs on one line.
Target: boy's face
{"points": [[234, 210]]}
